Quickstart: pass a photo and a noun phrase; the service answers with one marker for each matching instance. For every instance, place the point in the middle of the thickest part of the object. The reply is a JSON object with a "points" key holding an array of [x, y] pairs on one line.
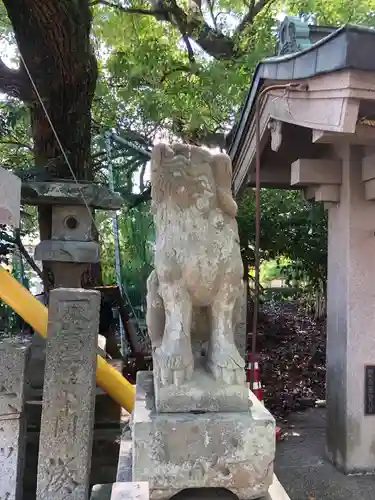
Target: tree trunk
{"points": [[53, 38]]}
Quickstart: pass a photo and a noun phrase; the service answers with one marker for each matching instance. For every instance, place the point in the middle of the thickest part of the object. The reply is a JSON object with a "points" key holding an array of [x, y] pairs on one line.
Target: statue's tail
{"points": [[155, 317]]}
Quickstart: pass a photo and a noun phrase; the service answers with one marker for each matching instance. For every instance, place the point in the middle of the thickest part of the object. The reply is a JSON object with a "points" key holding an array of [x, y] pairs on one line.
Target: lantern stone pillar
{"points": [[71, 248]]}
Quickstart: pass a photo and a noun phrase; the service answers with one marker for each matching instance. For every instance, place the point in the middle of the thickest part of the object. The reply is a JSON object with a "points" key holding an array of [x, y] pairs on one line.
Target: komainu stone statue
{"points": [[198, 272], [195, 423]]}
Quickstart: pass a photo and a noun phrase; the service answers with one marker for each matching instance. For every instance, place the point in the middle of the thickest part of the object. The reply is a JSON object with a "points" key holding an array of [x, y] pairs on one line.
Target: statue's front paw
{"points": [[173, 368], [226, 375], [226, 364]]}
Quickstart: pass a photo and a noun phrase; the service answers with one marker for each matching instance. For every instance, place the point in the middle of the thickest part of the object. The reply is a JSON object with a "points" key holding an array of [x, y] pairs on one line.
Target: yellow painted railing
{"points": [[36, 315]]}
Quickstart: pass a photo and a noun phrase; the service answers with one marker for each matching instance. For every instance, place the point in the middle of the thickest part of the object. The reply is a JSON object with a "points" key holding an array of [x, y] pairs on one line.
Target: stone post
{"points": [[351, 319], [13, 357], [69, 395], [71, 247]]}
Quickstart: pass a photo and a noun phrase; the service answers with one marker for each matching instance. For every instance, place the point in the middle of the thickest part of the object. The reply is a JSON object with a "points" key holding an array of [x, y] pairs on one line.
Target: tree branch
{"points": [[189, 49], [253, 11], [97, 155], [145, 12], [142, 177], [192, 70], [212, 41], [211, 9], [134, 200], [183, 69]]}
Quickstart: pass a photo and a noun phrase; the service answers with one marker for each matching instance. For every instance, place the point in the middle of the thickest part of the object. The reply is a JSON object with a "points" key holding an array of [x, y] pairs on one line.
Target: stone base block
{"points": [[201, 393], [68, 251], [175, 451]]}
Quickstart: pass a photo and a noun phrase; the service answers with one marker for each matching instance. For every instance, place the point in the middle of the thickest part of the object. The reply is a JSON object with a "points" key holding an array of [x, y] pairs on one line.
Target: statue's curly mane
{"points": [[173, 178], [183, 173], [178, 185]]}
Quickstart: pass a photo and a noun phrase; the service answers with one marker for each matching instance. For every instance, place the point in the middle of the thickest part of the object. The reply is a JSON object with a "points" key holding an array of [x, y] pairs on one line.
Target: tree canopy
{"points": [[145, 69], [184, 67], [165, 67]]}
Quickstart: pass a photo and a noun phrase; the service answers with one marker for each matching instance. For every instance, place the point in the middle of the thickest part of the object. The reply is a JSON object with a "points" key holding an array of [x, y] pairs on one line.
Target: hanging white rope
{"points": [[57, 137], [71, 170]]}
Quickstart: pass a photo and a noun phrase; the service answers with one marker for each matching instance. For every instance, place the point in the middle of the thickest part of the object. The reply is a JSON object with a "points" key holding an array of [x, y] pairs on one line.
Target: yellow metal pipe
{"points": [[36, 315]]}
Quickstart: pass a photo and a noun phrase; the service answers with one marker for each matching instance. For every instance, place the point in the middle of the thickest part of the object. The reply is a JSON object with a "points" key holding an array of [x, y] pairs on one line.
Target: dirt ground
{"points": [[292, 349]]}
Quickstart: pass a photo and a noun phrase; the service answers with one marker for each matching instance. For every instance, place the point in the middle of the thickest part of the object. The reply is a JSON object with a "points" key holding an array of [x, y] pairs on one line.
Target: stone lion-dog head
{"points": [[191, 176]]}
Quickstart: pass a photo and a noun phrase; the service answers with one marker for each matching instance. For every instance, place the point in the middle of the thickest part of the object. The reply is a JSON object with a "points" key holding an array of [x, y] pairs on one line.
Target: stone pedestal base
{"points": [[175, 451], [201, 394]]}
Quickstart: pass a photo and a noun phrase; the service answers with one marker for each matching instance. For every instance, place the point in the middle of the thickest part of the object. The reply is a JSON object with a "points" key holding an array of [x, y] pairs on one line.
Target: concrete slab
{"points": [[13, 360], [304, 470]]}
